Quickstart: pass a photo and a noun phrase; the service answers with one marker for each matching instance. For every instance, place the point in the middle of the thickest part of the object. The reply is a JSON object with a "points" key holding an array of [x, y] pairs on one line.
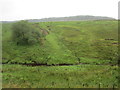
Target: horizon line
{"points": [[55, 17]]}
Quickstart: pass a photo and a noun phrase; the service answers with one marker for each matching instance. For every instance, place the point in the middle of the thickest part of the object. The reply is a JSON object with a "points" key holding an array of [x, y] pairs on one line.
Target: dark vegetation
{"points": [[25, 33]]}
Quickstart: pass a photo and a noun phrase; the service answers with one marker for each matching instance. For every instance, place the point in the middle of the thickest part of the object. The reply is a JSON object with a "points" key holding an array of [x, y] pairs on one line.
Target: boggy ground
{"points": [[90, 48], [76, 76]]}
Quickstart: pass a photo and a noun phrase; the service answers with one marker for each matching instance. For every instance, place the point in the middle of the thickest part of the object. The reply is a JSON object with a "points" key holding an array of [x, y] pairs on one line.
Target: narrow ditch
{"points": [[39, 64]]}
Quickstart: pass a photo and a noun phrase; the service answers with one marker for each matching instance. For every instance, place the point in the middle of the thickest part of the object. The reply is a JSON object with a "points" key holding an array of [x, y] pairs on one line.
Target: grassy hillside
{"points": [[87, 49], [66, 43]]}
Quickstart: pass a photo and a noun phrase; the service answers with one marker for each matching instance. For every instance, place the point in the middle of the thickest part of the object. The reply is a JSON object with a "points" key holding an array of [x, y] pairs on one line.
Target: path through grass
{"points": [[59, 52]]}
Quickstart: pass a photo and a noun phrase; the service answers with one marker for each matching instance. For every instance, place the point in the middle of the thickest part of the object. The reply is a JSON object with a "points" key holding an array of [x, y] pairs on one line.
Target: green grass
{"points": [[80, 43], [67, 42], [59, 53], [77, 76]]}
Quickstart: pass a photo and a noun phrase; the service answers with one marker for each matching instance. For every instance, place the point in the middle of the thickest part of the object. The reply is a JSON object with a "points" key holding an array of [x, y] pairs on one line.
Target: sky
{"points": [[11, 10]]}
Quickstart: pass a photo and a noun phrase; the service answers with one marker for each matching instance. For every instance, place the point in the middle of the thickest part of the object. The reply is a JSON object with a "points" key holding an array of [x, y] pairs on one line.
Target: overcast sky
{"points": [[35, 9]]}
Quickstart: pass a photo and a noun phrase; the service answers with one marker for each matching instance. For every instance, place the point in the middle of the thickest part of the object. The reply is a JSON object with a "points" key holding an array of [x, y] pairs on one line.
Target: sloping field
{"points": [[76, 54], [67, 42]]}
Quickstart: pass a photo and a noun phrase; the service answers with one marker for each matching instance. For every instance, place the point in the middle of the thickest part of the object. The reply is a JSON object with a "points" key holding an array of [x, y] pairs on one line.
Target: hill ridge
{"points": [[67, 18]]}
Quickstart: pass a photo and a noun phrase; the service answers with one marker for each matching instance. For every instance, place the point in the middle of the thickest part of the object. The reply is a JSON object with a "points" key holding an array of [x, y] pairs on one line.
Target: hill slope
{"points": [[76, 42]]}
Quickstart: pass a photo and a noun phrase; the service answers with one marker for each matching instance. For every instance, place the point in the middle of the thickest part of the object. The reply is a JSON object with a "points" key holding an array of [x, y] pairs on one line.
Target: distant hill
{"points": [[70, 18], [7, 21]]}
